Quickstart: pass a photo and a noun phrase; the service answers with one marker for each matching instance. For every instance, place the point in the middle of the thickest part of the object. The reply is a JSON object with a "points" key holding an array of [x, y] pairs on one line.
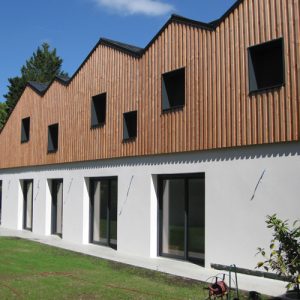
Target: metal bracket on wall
{"points": [[258, 183], [124, 203]]}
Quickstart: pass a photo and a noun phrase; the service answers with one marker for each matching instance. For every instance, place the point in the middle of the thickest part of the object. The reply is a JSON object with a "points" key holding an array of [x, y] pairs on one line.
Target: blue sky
{"points": [[73, 27]]}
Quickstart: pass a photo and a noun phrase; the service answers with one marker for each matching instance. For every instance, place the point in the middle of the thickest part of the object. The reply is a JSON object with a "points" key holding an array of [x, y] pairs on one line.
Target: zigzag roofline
{"points": [[137, 52]]}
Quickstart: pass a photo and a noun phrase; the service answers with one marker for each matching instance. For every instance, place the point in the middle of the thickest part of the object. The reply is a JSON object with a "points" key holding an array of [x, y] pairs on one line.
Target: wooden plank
{"points": [[219, 111]]}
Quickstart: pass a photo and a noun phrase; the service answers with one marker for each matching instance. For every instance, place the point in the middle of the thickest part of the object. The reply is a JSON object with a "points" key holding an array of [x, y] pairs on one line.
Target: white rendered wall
{"points": [[242, 186]]}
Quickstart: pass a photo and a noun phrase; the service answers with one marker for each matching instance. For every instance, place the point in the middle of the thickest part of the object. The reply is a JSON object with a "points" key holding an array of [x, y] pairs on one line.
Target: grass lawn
{"points": [[29, 270]]}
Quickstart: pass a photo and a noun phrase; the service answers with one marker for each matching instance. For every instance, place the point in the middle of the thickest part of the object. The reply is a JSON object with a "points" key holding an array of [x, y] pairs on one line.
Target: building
{"points": [[179, 149]]}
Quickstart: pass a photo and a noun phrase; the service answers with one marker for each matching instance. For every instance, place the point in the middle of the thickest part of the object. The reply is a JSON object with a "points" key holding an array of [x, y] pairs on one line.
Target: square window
{"points": [[173, 89], [53, 138], [266, 65], [129, 125], [25, 130], [98, 110]]}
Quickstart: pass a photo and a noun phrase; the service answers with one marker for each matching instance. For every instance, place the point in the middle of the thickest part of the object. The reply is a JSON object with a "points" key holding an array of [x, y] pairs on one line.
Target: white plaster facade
{"points": [[242, 186]]}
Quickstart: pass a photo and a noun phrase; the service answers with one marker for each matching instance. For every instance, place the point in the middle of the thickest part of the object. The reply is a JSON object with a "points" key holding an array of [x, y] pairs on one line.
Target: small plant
{"points": [[284, 256]]}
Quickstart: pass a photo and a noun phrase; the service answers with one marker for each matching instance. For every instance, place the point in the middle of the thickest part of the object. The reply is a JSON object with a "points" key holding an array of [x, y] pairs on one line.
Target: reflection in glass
{"points": [[57, 206], [28, 198], [196, 218], [104, 194], [104, 208], [173, 217], [182, 211], [113, 211]]}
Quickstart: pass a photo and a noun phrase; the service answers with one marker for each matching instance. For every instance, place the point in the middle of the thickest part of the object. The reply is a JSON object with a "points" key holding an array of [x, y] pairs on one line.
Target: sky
{"points": [[73, 27]]}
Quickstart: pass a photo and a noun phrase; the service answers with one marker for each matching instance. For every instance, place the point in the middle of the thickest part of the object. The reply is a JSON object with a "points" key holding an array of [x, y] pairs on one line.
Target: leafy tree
{"points": [[42, 66], [284, 257]]}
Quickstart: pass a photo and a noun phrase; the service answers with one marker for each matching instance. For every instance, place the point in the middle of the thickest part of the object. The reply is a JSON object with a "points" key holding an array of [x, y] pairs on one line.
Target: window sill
{"points": [[172, 109], [266, 89], [100, 125], [51, 151], [129, 140], [25, 142]]}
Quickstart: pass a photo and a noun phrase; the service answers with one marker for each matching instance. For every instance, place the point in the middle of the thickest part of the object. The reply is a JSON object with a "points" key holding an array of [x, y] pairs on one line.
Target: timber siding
{"points": [[218, 111]]}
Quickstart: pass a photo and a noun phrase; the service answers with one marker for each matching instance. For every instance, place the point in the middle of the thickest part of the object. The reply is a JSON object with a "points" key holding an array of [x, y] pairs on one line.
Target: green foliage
{"points": [[15, 89], [3, 113], [42, 66], [284, 252]]}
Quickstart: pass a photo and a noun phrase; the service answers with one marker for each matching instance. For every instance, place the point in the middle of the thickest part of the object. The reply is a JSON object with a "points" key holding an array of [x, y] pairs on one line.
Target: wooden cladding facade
{"points": [[219, 111]]}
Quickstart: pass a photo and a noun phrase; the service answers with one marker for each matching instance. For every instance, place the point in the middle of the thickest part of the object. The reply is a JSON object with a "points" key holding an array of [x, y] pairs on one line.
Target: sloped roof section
{"points": [[130, 49], [139, 52], [42, 88]]}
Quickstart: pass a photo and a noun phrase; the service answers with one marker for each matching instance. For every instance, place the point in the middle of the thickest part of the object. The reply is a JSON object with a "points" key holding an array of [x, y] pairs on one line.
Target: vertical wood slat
{"points": [[219, 111], [297, 47]]}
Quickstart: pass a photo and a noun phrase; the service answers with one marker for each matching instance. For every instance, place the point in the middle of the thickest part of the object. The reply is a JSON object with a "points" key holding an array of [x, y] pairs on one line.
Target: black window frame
{"points": [[167, 103], [252, 77], [53, 137], [186, 177], [98, 110], [25, 130], [92, 181], [53, 191], [25, 184], [129, 119]]}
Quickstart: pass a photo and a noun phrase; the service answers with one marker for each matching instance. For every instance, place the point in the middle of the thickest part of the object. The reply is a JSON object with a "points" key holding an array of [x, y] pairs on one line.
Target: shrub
{"points": [[284, 256]]}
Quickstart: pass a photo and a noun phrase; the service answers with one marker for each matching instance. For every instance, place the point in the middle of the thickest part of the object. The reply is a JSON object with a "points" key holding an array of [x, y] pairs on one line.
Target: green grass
{"points": [[29, 270]]}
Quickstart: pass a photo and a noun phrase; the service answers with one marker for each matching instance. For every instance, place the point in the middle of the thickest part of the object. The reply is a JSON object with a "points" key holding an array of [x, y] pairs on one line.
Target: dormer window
{"points": [[266, 65], [53, 138], [129, 125], [173, 90], [25, 130], [98, 110]]}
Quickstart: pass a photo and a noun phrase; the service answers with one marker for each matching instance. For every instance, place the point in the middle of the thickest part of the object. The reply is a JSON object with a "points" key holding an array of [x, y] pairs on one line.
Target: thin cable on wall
{"points": [[124, 203]]}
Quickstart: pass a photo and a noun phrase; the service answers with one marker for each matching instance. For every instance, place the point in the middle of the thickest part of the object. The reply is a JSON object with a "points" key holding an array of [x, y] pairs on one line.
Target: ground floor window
{"points": [[27, 188], [56, 206], [104, 211], [182, 216]]}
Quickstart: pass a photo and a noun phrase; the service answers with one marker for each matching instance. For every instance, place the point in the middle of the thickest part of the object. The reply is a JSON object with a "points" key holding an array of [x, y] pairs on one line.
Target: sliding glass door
{"points": [[28, 204], [57, 206], [103, 213], [182, 216]]}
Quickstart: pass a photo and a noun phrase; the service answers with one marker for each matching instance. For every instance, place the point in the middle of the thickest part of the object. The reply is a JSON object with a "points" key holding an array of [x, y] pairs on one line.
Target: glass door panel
{"points": [[173, 217], [104, 196], [196, 218], [113, 210], [182, 216], [100, 211], [96, 211], [104, 211], [28, 205], [57, 206]]}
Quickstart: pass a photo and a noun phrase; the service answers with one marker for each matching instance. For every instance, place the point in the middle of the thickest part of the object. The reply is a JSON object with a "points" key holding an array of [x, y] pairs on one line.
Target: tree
{"points": [[42, 66], [3, 113], [284, 257]]}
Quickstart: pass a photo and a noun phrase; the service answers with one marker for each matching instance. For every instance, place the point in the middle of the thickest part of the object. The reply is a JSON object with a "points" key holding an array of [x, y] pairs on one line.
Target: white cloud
{"points": [[130, 7]]}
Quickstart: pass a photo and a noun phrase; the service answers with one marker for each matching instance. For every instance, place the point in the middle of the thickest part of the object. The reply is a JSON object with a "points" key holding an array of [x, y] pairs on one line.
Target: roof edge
{"points": [[130, 49], [137, 51]]}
